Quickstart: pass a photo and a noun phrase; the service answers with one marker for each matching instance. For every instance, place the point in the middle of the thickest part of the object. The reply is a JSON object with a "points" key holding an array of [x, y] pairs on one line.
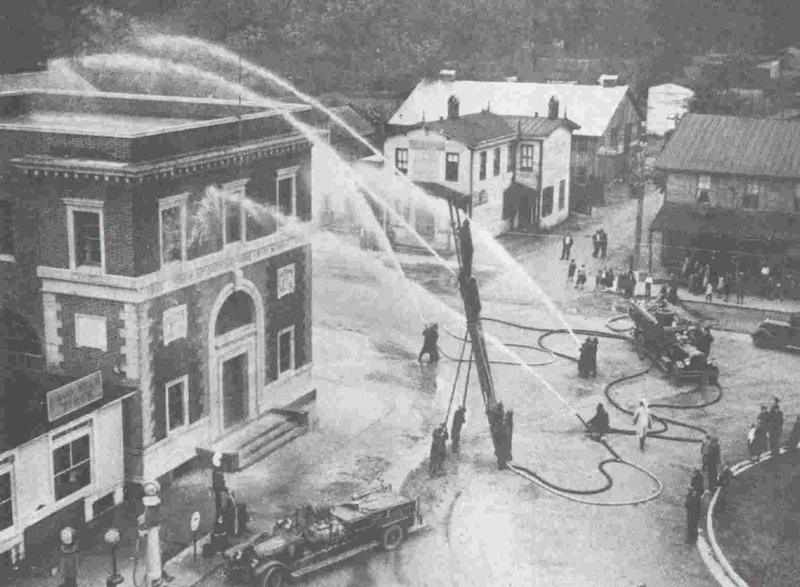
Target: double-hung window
{"points": [[401, 159], [85, 232], [286, 191], [72, 469], [451, 167], [286, 350], [750, 200], [526, 158], [177, 403], [704, 189], [6, 499], [496, 162], [6, 230], [482, 169], [172, 229]]}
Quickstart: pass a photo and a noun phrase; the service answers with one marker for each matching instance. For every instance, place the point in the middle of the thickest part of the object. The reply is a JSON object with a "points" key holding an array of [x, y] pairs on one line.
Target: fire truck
{"points": [[779, 334], [314, 538], [666, 335]]}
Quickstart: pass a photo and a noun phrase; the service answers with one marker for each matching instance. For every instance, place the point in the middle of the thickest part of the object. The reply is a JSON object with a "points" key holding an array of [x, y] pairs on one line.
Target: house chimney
{"points": [[552, 108], [452, 108], [447, 75]]}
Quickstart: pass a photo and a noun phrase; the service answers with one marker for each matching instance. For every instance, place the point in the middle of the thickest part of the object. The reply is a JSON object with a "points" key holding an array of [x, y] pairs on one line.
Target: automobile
{"points": [[778, 334], [314, 538]]}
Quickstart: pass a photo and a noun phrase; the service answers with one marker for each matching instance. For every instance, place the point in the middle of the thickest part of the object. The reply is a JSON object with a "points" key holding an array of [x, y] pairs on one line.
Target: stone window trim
{"points": [[184, 381], [236, 189], [287, 173], [7, 468], [176, 201], [290, 330], [91, 206], [61, 438]]}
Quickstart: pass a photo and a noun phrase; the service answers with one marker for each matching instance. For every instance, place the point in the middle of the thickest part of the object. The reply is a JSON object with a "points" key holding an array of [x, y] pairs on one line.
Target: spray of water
{"points": [[154, 73], [189, 45], [66, 75]]}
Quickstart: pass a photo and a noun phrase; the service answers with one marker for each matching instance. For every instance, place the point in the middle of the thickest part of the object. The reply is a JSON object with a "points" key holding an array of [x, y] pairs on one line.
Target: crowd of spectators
{"points": [[725, 276]]}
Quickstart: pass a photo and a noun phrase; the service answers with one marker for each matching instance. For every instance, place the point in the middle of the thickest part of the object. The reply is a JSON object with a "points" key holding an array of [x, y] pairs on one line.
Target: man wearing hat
{"points": [[430, 344]]}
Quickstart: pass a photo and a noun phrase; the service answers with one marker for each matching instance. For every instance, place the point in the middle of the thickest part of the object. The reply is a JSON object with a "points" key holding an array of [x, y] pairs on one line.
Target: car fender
{"points": [[266, 565]]}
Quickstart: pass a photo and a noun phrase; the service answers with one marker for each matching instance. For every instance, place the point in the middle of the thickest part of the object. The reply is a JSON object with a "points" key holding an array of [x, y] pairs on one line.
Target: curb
{"points": [[710, 551]]}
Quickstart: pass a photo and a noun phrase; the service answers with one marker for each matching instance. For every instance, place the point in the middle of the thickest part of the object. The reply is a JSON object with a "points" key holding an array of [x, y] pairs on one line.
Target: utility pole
{"points": [[637, 187]]}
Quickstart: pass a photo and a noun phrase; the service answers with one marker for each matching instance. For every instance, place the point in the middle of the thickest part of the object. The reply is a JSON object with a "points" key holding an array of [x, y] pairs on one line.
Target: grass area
{"points": [[759, 529]]}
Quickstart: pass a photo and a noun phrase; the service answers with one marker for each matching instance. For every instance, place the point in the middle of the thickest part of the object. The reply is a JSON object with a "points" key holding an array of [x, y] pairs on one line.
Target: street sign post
{"points": [[194, 525]]}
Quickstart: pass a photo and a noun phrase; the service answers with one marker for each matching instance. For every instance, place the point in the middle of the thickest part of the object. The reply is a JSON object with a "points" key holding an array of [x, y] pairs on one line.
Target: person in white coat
{"points": [[643, 422]]}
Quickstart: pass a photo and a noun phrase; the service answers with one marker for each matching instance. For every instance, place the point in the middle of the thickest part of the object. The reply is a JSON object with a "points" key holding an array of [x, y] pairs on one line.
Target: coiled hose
{"points": [[574, 494]]}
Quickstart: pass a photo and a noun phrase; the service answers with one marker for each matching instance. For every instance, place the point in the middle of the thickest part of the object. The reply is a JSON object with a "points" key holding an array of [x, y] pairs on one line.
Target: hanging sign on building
{"points": [[73, 396]]}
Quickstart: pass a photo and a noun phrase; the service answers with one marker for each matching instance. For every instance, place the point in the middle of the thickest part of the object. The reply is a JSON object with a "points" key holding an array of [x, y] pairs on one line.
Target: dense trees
{"points": [[331, 44]]}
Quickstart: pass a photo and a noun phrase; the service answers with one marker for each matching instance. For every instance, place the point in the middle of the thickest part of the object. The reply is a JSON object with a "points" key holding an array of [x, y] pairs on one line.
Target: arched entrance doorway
{"points": [[236, 330]]}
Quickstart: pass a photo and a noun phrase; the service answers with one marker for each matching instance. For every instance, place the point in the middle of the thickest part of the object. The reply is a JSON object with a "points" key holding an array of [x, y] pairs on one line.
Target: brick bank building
{"points": [[151, 308]]}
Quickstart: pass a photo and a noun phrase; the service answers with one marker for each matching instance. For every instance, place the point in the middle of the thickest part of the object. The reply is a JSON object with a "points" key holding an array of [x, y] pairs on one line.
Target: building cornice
{"points": [[134, 290], [121, 172]]}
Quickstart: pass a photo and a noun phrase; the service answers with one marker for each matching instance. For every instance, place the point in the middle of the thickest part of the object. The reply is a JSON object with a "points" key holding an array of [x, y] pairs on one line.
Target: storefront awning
{"points": [[736, 224]]}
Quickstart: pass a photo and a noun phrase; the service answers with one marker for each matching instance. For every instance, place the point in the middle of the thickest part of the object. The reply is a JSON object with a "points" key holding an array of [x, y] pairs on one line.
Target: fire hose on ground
{"points": [[616, 334]]}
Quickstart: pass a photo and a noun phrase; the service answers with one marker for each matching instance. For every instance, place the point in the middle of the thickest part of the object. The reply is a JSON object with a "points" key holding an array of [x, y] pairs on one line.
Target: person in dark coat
{"points": [[566, 246], [599, 423], [775, 427], [571, 270], [584, 361], [603, 243], [596, 244], [672, 294], [434, 466], [794, 435], [762, 431], [467, 250], [459, 418], [508, 433], [430, 344], [593, 342], [711, 462], [724, 480], [697, 482], [692, 503]]}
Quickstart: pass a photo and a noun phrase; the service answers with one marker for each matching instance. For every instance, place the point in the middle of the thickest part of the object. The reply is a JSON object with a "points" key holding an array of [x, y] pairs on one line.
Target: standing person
{"points": [[599, 423], [598, 280], [596, 243], [441, 447], [580, 281], [593, 342], [508, 433], [467, 250], [583, 358], [712, 463], [430, 344], [726, 286], [433, 462], [642, 420], [571, 269], [648, 286], [566, 246], [709, 291], [775, 427], [692, 503], [752, 447], [696, 482], [459, 418], [603, 243], [740, 288], [762, 430], [794, 436]]}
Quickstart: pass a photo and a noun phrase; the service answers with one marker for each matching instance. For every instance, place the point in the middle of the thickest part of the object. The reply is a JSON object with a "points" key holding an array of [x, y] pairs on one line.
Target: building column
{"points": [[52, 324]]}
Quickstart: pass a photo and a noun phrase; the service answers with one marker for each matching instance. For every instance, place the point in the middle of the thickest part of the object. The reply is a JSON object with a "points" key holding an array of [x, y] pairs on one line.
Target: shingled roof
{"points": [[757, 147], [538, 126], [473, 129]]}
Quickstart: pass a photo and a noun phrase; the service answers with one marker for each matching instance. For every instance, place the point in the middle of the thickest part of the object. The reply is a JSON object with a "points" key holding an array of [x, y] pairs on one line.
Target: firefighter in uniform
{"points": [[459, 418], [430, 344]]}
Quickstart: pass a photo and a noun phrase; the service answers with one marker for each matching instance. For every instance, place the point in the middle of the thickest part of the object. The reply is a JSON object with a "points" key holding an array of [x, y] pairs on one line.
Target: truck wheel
{"points": [[392, 537], [274, 575], [762, 338]]}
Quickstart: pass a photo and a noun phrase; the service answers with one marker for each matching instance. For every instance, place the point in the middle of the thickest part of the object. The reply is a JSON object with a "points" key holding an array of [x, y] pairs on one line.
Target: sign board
{"points": [[74, 396], [194, 523], [417, 145]]}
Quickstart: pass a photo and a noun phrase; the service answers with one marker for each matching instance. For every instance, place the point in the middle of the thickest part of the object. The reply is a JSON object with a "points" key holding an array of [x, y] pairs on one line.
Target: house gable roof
{"points": [[590, 106], [473, 129], [538, 126], [758, 147]]}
